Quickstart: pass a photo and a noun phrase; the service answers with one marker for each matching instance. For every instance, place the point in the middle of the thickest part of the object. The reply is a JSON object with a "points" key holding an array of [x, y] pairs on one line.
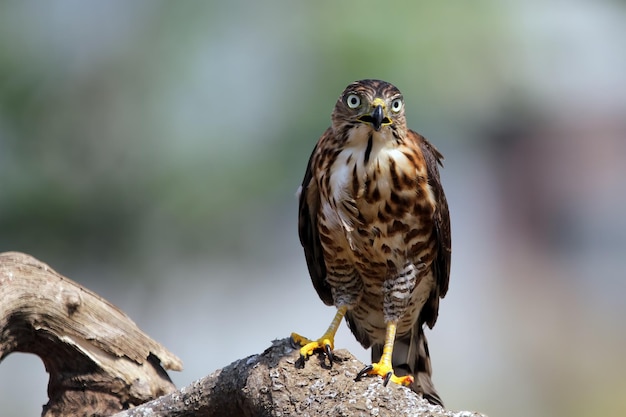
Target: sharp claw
{"points": [[329, 353], [300, 362], [293, 343], [387, 378], [363, 372]]}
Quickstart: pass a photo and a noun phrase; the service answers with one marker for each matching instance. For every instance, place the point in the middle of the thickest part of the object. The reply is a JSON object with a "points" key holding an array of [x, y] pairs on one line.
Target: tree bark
{"points": [[270, 385], [100, 363]]}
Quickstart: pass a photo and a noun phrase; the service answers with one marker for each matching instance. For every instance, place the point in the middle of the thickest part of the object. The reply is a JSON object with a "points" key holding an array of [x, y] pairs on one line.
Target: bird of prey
{"points": [[374, 224]]}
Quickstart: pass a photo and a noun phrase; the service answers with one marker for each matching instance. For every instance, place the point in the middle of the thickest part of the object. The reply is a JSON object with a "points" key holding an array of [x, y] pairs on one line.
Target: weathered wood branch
{"points": [[98, 360], [100, 363]]}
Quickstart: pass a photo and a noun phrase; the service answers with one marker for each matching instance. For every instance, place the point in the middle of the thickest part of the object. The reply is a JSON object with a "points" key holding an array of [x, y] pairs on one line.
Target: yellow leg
{"points": [[326, 342], [384, 367]]}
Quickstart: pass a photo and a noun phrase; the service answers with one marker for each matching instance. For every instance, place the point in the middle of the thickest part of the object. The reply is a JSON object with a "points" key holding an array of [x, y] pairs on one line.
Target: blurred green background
{"points": [[151, 150]]}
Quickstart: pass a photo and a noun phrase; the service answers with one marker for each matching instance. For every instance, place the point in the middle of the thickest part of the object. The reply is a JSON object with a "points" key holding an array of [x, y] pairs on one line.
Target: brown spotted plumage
{"points": [[374, 224]]}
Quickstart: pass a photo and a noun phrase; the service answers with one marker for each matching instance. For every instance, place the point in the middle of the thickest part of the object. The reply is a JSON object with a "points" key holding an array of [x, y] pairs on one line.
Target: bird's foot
{"points": [[325, 344], [386, 371]]}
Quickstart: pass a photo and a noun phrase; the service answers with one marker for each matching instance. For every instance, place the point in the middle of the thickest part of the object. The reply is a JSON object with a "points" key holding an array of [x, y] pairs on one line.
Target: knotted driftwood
{"points": [[100, 363]]}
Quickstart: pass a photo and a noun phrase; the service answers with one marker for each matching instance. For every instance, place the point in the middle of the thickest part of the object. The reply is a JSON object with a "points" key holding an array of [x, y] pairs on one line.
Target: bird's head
{"points": [[375, 103]]}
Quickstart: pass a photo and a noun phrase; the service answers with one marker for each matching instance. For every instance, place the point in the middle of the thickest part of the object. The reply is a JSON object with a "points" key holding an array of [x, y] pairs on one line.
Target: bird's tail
{"points": [[411, 357]]}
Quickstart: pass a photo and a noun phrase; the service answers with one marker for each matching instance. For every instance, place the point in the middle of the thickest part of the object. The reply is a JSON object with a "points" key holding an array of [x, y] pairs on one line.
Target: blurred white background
{"points": [[151, 150]]}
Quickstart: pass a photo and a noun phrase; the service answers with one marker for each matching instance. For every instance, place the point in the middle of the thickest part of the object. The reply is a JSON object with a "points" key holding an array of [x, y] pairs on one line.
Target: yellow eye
{"points": [[396, 105], [353, 101]]}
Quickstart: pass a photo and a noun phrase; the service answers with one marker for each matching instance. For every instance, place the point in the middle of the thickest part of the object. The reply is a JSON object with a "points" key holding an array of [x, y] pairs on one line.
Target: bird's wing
{"points": [[441, 219], [309, 205]]}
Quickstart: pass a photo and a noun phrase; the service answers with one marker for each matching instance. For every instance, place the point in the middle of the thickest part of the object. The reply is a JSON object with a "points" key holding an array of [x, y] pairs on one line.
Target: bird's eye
{"points": [[353, 101], [396, 105]]}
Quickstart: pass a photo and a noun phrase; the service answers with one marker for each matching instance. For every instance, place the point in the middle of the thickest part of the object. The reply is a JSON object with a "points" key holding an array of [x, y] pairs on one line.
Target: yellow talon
{"points": [[325, 343], [385, 370], [310, 346], [383, 367]]}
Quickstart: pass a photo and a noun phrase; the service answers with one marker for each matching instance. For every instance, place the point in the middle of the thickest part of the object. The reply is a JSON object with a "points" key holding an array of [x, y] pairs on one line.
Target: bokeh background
{"points": [[151, 150]]}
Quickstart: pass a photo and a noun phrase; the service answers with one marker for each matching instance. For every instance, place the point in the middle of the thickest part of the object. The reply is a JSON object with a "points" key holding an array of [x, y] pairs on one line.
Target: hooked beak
{"points": [[377, 117]]}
